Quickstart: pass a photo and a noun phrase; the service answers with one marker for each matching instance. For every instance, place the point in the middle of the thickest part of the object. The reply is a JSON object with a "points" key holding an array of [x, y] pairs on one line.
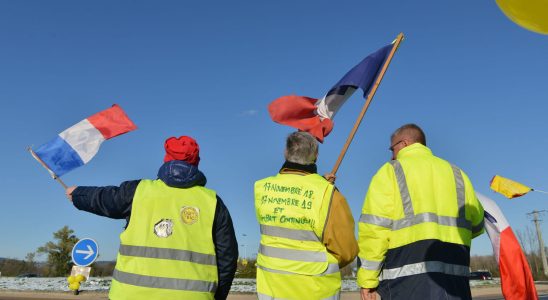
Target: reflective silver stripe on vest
{"points": [[165, 253], [461, 197], [267, 297], [414, 220], [425, 267], [164, 282], [404, 191], [331, 269], [431, 217], [294, 234], [376, 220], [410, 218], [371, 265], [291, 254]]}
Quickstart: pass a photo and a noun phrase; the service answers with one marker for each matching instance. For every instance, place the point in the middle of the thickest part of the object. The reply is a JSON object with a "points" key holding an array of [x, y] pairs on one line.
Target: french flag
{"points": [[78, 144], [315, 115], [515, 274]]}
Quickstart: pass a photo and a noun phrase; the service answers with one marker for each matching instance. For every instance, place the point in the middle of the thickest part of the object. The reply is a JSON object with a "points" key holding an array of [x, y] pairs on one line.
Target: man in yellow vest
{"points": [[419, 217], [179, 242], [307, 228]]}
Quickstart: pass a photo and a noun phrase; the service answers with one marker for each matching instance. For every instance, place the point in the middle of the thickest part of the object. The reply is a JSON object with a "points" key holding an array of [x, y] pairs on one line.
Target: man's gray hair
{"points": [[412, 132], [301, 148]]}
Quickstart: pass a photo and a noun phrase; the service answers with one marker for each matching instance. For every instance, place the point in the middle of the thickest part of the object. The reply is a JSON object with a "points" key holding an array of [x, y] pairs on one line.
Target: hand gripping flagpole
{"points": [[397, 42], [47, 168]]}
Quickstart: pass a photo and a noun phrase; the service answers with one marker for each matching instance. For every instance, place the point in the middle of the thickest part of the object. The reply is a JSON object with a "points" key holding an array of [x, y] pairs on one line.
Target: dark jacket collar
{"points": [[180, 174], [291, 166]]}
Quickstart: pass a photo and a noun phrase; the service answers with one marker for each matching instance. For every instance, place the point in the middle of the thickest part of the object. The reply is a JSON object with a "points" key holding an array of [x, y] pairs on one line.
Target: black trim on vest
{"points": [[426, 286], [295, 166], [427, 250]]}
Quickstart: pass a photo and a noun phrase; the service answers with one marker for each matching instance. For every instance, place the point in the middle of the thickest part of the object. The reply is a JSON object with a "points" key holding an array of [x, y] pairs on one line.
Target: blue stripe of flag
{"points": [[59, 156], [363, 74]]}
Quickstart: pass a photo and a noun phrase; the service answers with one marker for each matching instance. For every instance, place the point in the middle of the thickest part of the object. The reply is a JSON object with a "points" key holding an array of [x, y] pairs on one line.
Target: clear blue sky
{"points": [[476, 82]]}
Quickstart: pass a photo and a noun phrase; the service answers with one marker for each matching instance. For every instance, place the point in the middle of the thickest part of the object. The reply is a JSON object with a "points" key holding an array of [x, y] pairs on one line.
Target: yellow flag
{"points": [[509, 188]]}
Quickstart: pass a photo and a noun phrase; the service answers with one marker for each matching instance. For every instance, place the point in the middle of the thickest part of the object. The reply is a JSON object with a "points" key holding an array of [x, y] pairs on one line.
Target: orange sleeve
{"points": [[338, 234]]}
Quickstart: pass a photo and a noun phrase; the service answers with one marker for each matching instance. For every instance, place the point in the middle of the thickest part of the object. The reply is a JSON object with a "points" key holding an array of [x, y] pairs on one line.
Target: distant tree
{"points": [[246, 268], [58, 251], [12, 267], [485, 262], [102, 268], [30, 263]]}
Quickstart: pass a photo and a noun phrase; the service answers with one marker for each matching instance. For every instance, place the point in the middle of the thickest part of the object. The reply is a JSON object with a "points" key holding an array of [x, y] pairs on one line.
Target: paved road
{"points": [[53, 296]]}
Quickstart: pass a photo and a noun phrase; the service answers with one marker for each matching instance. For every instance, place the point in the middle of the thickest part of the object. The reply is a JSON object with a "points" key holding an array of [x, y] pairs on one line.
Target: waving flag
{"points": [[315, 116], [509, 188], [78, 144], [515, 273]]}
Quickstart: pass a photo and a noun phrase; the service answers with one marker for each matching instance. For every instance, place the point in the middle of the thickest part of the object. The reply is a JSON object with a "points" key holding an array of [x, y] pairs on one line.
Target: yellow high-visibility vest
{"points": [[167, 251], [413, 205], [292, 262]]}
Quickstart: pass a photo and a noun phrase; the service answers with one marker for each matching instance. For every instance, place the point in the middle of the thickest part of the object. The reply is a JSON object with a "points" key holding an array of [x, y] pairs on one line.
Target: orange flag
{"points": [[509, 188]]}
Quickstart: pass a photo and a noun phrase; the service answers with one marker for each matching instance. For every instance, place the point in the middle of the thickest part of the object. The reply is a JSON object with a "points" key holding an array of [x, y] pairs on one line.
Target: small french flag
{"points": [[515, 274], [78, 144]]}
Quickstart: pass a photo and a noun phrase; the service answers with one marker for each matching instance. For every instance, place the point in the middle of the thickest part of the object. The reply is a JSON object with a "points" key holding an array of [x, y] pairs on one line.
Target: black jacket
{"points": [[115, 202]]}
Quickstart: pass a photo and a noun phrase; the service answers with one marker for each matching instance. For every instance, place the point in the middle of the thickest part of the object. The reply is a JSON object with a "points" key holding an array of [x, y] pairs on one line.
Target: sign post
{"points": [[84, 253]]}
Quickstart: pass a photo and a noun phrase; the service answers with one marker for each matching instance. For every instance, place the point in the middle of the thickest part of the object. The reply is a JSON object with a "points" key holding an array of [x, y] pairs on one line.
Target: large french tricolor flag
{"points": [[315, 115], [515, 274], [78, 144]]}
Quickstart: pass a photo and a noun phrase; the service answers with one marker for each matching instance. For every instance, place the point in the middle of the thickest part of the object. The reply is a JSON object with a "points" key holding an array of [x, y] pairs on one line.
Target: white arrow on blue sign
{"points": [[85, 252]]}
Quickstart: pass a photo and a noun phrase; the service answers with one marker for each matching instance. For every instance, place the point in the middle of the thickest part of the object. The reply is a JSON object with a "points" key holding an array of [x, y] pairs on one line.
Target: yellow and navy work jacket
{"points": [[167, 251], [292, 262], [418, 219]]}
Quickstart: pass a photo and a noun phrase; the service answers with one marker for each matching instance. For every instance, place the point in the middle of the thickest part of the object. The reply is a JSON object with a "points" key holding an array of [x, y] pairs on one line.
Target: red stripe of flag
{"points": [[112, 122]]}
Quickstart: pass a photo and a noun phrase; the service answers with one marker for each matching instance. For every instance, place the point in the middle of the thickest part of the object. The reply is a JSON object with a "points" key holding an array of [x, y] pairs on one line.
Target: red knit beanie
{"points": [[182, 148]]}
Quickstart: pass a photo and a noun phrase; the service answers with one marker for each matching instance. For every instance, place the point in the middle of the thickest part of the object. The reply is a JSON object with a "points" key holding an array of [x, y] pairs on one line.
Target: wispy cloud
{"points": [[248, 113]]}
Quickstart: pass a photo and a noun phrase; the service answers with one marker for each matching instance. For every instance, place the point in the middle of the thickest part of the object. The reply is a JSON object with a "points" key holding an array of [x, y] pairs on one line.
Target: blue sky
{"points": [[475, 82]]}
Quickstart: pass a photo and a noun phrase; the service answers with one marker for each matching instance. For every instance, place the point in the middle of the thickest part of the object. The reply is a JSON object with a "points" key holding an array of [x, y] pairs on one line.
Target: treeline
{"points": [[58, 259], [530, 246], [10, 267]]}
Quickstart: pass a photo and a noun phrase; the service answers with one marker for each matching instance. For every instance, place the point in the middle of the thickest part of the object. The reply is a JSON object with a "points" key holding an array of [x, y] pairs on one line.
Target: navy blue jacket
{"points": [[115, 202]]}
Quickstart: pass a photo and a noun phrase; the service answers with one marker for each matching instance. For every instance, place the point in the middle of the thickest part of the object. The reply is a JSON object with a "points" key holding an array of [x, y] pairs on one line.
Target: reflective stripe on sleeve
{"points": [[376, 220], [164, 282], [165, 253], [371, 265], [294, 234], [291, 254]]}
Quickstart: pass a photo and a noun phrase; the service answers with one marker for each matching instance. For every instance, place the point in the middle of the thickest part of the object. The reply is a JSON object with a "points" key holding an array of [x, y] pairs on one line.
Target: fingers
{"points": [[68, 192], [330, 177]]}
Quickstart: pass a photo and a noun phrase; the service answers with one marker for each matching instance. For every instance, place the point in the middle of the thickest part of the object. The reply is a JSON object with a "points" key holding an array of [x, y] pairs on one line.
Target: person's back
{"points": [[164, 253], [417, 223], [179, 242], [307, 229]]}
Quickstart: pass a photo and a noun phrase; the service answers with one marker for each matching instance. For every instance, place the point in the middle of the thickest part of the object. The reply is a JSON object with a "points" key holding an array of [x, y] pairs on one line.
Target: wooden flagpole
{"points": [[47, 168], [366, 105]]}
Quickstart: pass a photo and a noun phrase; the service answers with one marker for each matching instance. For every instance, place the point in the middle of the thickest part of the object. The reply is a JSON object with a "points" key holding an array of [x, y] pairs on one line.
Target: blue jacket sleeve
{"points": [[109, 201], [226, 249]]}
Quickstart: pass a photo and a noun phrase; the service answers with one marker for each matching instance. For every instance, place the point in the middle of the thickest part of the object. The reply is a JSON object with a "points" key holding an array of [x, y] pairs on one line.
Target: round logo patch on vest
{"points": [[190, 214], [164, 228]]}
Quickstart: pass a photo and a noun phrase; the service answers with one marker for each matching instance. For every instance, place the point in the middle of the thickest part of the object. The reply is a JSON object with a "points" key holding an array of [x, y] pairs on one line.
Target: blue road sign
{"points": [[85, 252]]}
